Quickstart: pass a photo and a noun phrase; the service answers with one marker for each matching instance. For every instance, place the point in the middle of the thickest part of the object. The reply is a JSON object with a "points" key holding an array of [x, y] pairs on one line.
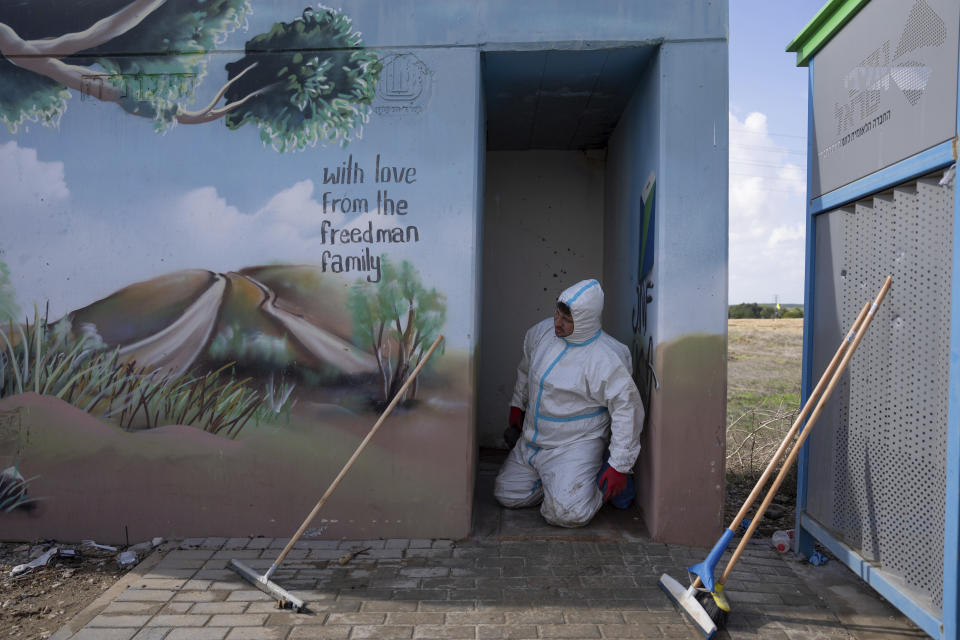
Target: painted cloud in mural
{"points": [[197, 222]]}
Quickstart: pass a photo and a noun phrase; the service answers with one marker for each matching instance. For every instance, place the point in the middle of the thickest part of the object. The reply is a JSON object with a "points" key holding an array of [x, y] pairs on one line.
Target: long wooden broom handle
{"points": [[806, 432], [356, 454], [787, 439]]}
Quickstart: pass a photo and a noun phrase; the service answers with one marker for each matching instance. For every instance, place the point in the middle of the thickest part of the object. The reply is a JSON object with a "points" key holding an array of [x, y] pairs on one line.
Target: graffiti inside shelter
{"points": [[216, 269], [642, 347]]}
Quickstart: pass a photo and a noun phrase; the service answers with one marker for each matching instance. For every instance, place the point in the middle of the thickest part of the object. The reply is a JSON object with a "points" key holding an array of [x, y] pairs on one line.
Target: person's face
{"points": [[562, 324]]}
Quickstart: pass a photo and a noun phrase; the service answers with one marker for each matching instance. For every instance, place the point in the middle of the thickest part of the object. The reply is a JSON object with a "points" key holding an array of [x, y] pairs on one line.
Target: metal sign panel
{"points": [[884, 89], [878, 455]]}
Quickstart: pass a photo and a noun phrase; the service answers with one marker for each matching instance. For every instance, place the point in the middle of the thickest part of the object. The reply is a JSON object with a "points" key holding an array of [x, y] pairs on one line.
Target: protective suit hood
{"points": [[585, 300]]}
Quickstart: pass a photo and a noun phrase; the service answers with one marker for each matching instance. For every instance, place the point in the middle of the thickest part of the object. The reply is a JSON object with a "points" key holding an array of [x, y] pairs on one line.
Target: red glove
{"points": [[515, 428], [612, 482]]}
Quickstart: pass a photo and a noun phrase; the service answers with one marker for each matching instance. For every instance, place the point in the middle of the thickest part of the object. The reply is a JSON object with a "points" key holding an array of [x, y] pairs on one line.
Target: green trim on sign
{"points": [[828, 21]]}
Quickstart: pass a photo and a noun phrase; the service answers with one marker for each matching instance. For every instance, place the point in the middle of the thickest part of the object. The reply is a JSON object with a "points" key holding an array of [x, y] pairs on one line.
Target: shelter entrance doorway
{"points": [[549, 118]]}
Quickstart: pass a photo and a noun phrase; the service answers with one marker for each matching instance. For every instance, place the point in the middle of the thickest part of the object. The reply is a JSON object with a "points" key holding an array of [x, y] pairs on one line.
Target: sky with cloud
{"points": [[767, 229], [768, 166]]}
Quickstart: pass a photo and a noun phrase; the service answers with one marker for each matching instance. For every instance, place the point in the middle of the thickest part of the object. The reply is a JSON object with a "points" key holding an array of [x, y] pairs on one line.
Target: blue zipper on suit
{"points": [[536, 410]]}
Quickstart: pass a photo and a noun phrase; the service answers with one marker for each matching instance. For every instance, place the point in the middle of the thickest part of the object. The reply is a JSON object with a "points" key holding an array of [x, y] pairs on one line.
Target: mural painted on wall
{"points": [[644, 373], [213, 263]]}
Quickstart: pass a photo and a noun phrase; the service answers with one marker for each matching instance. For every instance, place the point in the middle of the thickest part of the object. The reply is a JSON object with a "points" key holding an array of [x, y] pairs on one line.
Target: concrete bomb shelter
{"points": [[273, 212]]}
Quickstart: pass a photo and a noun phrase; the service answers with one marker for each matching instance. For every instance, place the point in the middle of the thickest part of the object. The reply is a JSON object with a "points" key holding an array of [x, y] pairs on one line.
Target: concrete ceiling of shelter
{"points": [[558, 99]]}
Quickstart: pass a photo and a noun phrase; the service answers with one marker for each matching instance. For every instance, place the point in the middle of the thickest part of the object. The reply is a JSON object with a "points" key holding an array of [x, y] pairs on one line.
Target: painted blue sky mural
{"points": [[103, 189]]}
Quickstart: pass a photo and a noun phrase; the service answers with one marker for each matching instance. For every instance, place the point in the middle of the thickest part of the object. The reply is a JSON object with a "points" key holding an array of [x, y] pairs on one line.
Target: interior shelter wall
{"points": [[210, 305], [542, 232], [667, 166], [629, 247]]}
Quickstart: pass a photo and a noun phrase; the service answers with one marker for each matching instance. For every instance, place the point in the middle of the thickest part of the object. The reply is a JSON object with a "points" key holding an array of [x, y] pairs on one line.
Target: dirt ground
{"points": [[34, 605], [763, 397]]}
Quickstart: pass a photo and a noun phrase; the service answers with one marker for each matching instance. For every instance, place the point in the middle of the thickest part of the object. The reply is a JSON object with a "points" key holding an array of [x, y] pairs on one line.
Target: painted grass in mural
{"points": [[83, 371]]}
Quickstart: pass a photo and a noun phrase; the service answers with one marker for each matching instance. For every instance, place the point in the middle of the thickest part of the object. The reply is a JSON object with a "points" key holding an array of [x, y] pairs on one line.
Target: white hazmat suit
{"points": [[576, 392]]}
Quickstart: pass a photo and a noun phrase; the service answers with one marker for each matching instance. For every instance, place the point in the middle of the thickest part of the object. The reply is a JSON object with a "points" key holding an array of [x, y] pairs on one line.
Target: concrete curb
{"points": [[80, 620]]}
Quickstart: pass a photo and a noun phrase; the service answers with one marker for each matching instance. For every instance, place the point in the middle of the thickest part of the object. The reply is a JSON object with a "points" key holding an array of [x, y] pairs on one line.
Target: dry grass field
{"points": [[763, 399]]}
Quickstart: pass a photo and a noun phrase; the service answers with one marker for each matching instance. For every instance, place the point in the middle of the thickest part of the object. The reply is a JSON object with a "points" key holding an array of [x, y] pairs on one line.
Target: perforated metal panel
{"points": [[877, 471]]}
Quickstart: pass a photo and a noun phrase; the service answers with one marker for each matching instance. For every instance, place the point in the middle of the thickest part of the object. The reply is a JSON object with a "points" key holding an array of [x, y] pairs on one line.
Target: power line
{"points": [[797, 192], [777, 149], [757, 175], [787, 191], [776, 135], [765, 164]]}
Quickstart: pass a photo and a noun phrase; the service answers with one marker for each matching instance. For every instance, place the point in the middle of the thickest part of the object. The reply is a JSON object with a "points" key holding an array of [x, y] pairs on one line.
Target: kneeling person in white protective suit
{"points": [[573, 393]]}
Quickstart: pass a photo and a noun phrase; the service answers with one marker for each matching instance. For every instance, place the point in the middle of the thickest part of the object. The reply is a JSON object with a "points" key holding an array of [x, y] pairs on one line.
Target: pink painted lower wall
{"points": [[681, 465], [93, 480]]}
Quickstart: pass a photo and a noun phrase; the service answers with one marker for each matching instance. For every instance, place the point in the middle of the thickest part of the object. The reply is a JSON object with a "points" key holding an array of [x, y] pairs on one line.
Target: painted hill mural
{"points": [[172, 322], [215, 350]]}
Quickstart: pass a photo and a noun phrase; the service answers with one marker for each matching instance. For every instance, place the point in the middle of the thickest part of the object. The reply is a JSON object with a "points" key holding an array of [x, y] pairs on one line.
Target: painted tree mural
{"points": [[397, 319], [304, 82]]}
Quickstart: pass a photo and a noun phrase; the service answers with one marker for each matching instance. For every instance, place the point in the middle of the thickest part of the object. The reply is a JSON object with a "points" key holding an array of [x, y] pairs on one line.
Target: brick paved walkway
{"points": [[515, 578], [548, 588]]}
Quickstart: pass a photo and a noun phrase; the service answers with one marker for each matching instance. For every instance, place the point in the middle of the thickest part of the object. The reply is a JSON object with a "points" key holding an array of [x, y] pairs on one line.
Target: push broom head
{"points": [[686, 599], [285, 599], [715, 604]]}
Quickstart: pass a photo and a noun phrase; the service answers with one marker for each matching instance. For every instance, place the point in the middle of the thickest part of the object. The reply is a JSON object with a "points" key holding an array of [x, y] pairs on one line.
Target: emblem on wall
{"points": [[403, 86]]}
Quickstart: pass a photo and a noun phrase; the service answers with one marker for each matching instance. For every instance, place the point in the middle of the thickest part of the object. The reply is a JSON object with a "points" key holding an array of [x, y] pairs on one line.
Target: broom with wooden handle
{"points": [[695, 601], [284, 597], [788, 463], [707, 566], [706, 609]]}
